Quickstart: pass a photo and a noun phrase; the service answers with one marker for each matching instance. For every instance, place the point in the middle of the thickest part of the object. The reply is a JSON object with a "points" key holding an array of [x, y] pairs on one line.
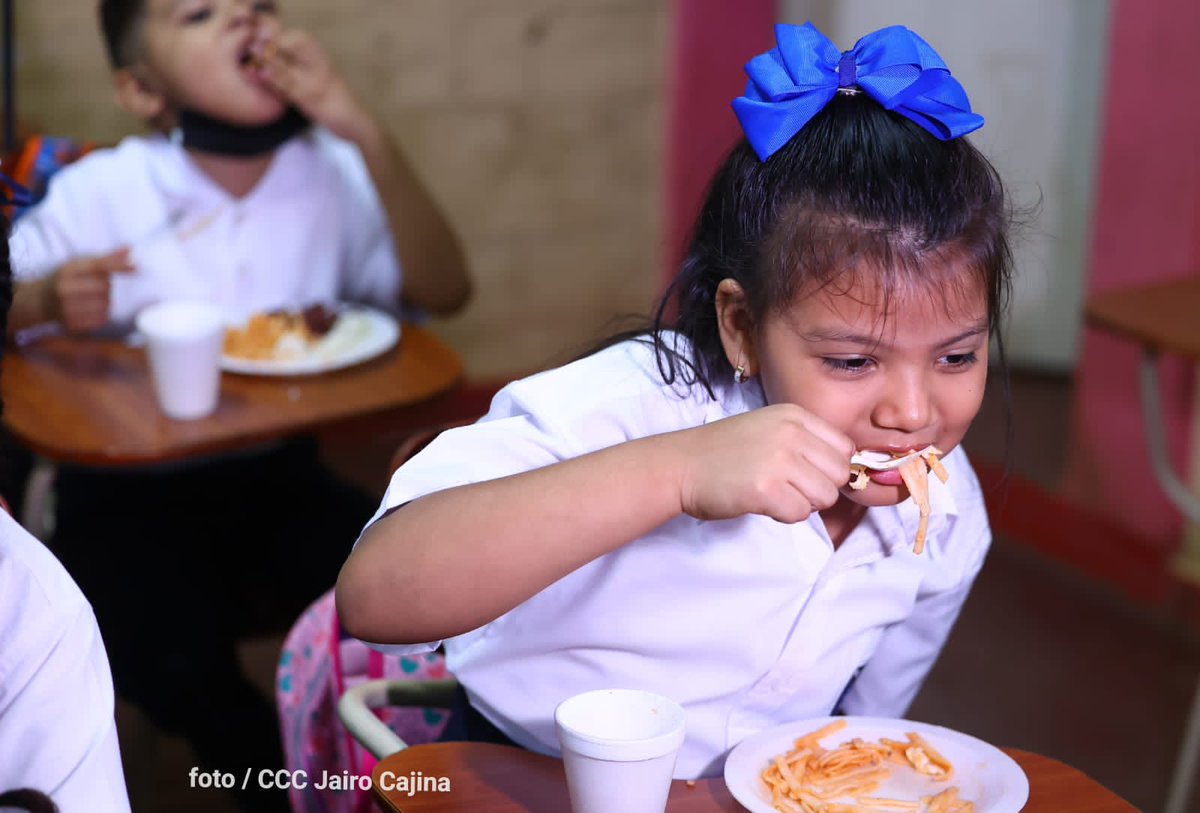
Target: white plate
{"points": [[983, 773], [358, 335]]}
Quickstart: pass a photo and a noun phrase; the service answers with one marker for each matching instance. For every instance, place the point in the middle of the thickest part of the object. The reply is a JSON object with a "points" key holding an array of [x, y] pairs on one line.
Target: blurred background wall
{"points": [[536, 123], [539, 125], [569, 141]]}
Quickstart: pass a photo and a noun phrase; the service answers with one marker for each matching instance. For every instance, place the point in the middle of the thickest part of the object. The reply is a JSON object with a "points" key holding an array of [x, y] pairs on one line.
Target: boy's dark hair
{"points": [[119, 22], [859, 194]]}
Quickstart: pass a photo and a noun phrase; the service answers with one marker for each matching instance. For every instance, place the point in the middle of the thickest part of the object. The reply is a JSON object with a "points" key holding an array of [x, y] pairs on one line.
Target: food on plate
{"points": [[813, 779], [914, 468], [279, 335]]}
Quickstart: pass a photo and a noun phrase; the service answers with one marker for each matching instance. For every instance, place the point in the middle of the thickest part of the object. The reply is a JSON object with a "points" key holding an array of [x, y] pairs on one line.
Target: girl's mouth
{"points": [[883, 468]]}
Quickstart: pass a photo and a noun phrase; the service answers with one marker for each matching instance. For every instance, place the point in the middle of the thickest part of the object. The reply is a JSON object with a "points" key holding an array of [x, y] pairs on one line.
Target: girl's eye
{"points": [[850, 365], [959, 360]]}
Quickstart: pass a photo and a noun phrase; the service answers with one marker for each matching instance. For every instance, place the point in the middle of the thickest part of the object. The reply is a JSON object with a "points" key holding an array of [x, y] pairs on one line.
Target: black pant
{"points": [[467, 724], [180, 563]]}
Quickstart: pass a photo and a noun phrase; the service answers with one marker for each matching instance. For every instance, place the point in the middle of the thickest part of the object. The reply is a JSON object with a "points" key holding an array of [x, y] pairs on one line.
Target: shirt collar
{"points": [[182, 182]]}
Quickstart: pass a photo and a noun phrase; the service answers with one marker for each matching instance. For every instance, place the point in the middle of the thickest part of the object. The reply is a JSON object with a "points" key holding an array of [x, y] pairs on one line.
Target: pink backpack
{"points": [[316, 666]]}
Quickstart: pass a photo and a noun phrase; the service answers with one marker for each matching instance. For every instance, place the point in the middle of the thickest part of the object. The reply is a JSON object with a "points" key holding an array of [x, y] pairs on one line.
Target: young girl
{"points": [[673, 512]]}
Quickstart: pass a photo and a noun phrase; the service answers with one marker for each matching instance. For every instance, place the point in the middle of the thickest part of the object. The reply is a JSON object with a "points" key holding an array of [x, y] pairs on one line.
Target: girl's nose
{"points": [[904, 405]]}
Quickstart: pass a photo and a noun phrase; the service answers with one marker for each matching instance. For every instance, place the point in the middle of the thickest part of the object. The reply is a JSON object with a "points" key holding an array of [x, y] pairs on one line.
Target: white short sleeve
{"points": [[90, 208], [371, 269], [604, 399], [506, 441], [57, 731]]}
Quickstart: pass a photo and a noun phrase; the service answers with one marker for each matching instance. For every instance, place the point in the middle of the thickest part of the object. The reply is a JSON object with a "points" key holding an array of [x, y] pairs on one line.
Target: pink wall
{"points": [[1144, 229], [710, 42]]}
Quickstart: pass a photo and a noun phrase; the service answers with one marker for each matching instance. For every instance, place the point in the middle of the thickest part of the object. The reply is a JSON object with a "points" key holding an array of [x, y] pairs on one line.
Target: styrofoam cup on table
{"points": [[183, 347], [619, 748]]}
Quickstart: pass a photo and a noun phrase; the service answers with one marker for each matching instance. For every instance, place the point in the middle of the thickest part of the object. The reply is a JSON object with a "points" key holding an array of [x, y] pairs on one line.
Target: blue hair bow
{"points": [[790, 83]]}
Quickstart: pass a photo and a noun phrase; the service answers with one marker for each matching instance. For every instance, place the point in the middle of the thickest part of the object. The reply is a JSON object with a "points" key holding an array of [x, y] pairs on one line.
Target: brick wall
{"points": [[536, 123]]}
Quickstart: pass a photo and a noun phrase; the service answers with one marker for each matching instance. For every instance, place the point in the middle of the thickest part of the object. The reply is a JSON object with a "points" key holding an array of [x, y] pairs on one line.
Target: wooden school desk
{"points": [[91, 402], [487, 778]]}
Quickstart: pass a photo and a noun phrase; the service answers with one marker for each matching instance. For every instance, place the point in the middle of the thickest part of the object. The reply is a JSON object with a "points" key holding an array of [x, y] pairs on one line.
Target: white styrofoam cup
{"points": [[619, 748], [183, 346]]}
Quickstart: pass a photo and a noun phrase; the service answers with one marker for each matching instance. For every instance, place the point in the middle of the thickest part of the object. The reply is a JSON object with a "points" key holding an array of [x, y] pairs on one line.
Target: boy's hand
{"points": [[296, 66], [78, 292], [780, 461]]}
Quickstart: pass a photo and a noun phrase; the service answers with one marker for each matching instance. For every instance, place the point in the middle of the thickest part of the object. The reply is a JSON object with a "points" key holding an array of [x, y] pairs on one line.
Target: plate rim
{"points": [[305, 367], [1016, 795]]}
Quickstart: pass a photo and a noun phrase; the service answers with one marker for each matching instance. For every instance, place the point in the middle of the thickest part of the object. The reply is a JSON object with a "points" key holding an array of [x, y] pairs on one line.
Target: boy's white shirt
{"points": [[748, 623], [312, 230], [57, 732]]}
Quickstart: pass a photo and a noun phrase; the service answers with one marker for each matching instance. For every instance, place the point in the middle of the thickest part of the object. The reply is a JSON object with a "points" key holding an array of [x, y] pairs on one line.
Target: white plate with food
{"points": [[309, 341], [881, 765]]}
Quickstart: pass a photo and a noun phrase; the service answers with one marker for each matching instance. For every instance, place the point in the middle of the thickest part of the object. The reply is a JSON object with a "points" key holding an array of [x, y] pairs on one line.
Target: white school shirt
{"points": [[57, 731], [312, 230], [748, 623]]}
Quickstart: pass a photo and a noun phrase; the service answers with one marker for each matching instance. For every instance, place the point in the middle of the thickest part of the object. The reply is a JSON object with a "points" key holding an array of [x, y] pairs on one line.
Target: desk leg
{"points": [[1182, 496], [1185, 765], [1187, 564], [1191, 538]]}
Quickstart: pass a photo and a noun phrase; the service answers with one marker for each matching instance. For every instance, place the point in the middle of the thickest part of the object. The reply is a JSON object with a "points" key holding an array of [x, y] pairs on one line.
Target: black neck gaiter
{"points": [[206, 134]]}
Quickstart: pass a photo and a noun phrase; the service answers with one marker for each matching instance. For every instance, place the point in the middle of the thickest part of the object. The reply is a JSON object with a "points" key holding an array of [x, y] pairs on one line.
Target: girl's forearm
{"points": [[432, 259], [455, 560]]}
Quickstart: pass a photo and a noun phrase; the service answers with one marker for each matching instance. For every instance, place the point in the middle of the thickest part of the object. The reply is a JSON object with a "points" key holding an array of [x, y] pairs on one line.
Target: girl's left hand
{"points": [[295, 65]]}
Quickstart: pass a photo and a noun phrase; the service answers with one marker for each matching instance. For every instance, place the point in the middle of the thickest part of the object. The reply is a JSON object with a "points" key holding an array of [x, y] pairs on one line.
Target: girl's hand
{"points": [[780, 461], [296, 66], [78, 292]]}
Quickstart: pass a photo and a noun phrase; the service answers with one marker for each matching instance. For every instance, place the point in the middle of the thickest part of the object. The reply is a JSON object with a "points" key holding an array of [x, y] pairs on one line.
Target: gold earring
{"points": [[739, 374]]}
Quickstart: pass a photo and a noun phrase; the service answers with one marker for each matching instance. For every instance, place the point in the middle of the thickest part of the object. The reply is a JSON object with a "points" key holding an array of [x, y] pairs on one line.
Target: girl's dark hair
{"points": [[859, 196], [119, 22], [26, 799]]}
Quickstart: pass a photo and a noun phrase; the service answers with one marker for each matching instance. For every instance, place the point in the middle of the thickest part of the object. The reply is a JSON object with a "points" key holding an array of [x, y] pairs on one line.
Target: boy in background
{"points": [[264, 185]]}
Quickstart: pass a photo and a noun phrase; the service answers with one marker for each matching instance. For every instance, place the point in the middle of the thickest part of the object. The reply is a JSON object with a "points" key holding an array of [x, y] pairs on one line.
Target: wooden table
{"points": [[91, 402], [502, 779], [1165, 318]]}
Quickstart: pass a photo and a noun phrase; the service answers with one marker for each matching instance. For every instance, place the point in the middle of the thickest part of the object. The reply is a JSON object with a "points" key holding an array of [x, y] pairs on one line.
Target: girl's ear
{"points": [[136, 94], [736, 327]]}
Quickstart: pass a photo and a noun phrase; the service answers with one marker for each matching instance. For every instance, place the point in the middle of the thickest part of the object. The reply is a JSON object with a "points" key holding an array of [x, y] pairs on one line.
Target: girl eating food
{"points": [[674, 512]]}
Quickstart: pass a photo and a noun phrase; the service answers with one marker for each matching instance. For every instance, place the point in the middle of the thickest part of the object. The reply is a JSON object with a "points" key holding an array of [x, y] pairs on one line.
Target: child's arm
{"points": [[76, 294], [435, 274], [453, 560]]}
